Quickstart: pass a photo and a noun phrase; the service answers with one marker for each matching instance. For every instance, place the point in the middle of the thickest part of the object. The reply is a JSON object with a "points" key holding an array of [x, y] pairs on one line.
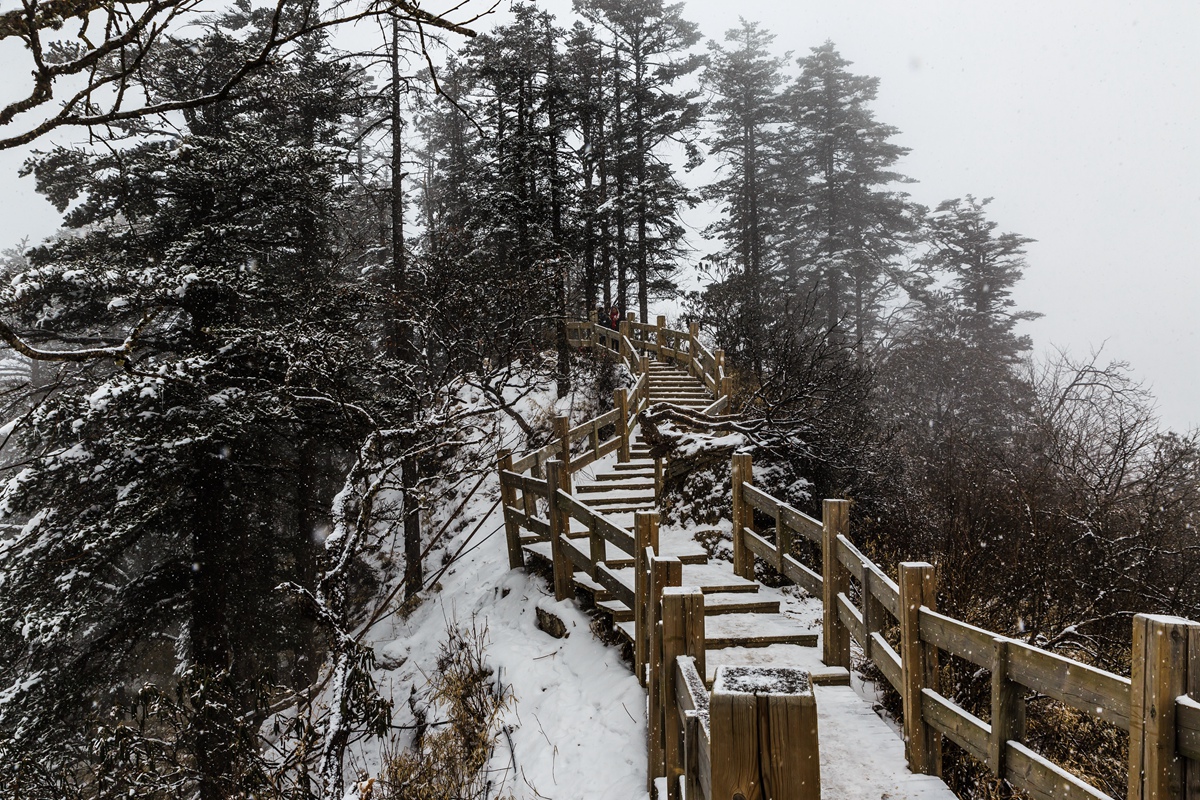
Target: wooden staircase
{"points": [[743, 626]]}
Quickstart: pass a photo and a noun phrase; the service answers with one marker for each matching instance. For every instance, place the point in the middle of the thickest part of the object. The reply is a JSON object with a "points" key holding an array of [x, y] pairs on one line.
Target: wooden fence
{"points": [[754, 734], [682, 348], [863, 604]]}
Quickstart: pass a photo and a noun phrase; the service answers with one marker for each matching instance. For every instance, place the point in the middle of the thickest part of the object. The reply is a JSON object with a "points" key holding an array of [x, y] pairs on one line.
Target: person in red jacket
{"points": [[614, 318]]}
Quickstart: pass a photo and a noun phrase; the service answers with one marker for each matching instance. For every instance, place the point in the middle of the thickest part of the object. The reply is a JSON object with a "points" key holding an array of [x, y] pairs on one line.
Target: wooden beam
{"points": [[1008, 709], [508, 497], [918, 663], [682, 635], [834, 581], [664, 572], [764, 742], [560, 523], [562, 432], [621, 403], [742, 472], [1161, 647]]}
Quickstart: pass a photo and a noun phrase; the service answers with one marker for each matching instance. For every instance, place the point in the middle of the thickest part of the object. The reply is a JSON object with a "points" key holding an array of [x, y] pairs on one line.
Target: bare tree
{"points": [[88, 52]]}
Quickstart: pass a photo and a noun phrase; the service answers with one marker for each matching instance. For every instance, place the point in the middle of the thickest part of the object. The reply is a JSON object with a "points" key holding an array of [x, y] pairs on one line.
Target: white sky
{"points": [[1082, 119]]}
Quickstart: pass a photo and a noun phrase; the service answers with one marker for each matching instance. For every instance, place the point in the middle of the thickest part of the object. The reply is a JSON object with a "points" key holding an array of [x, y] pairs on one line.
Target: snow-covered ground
{"points": [[576, 725]]}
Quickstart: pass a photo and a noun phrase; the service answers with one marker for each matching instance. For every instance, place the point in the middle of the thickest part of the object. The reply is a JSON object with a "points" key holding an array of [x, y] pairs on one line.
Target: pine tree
{"points": [[844, 221], [650, 42], [744, 81], [166, 496]]}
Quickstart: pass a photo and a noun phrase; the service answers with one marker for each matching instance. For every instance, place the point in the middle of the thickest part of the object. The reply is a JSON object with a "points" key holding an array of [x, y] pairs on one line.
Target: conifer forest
{"points": [[315, 268]]}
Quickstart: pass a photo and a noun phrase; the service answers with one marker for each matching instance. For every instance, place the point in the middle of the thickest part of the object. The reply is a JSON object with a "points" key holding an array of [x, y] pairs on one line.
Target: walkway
{"points": [[746, 623]]}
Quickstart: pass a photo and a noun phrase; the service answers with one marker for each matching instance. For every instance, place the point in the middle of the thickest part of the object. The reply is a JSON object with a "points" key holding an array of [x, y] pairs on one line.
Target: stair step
{"points": [[626, 561], [776, 655], [711, 578], [755, 630], [610, 486], [616, 609], [738, 603], [625, 475]]}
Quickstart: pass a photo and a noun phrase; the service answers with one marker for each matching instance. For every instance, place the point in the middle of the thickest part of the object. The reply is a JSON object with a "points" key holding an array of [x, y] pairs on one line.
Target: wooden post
{"points": [[682, 635], [835, 580], [923, 744], [658, 478], [621, 404], [562, 428], [764, 738], [1191, 769], [874, 614], [644, 364], [694, 366], [691, 758], [508, 498], [645, 538], [1161, 648], [660, 338], [1007, 708], [560, 525], [783, 543], [726, 390], [742, 472], [664, 572]]}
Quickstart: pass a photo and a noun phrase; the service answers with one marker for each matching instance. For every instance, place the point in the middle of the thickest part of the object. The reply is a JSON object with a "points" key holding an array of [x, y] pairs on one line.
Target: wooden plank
{"points": [[885, 590], [1044, 780], [800, 522], [1090, 690], [758, 545], [587, 458], [577, 557], [888, 661], [919, 662], [609, 446], [1159, 666], [957, 638], [614, 533], [959, 725], [1187, 728], [619, 591], [802, 576], [569, 505], [760, 501], [604, 420], [835, 641], [850, 558], [539, 526], [852, 618]]}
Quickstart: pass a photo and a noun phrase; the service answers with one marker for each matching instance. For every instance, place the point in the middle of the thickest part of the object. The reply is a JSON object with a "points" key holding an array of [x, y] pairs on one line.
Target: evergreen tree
{"points": [[650, 41], [166, 496], [744, 81], [844, 223]]}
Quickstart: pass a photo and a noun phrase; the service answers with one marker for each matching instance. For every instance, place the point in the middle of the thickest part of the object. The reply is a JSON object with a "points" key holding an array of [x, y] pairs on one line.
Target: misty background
{"points": [[1081, 119]]}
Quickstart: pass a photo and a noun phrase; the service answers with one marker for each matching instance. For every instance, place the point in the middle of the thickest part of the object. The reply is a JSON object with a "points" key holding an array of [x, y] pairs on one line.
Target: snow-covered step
{"points": [[617, 610], [711, 578], [738, 603], [610, 486], [776, 655], [755, 630], [626, 475]]}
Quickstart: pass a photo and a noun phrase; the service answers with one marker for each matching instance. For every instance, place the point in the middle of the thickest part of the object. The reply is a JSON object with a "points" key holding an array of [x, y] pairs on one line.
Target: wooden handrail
{"points": [[1016, 666]]}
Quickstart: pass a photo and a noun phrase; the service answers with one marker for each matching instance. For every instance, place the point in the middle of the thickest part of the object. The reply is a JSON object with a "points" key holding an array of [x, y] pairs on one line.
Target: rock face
{"points": [[551, 624]]}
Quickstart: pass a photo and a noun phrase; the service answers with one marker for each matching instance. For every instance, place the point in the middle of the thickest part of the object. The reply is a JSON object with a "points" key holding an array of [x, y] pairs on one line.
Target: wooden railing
{"points": [[862, 603], [682, 348], [753, 735]]}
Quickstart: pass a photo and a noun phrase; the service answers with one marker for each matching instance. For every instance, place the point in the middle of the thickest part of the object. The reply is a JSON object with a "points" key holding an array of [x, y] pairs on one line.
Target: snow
{"points": [[576, 726]]}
